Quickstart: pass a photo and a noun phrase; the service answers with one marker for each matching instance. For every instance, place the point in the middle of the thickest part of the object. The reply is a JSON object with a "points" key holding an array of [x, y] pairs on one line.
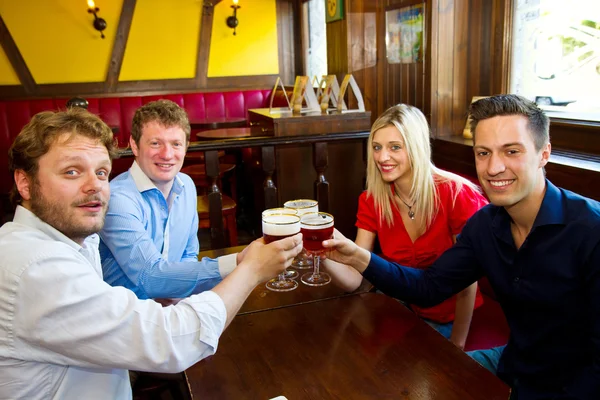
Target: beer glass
{"points": [[276, 227], [315, 228], [302, 206], [289, 273]]}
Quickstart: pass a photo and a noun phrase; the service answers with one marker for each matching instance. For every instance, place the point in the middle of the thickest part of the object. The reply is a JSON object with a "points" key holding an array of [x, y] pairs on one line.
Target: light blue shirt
{"points": [[150, 245]]}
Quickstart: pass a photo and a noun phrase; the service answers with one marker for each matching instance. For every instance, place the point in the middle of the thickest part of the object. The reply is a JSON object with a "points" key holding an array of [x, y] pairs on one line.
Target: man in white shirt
{"points": [[64, 333]]}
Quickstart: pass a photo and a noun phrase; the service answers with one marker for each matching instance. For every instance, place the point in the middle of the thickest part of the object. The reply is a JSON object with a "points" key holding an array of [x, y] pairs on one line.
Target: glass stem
{"points": [[316, 263], [282, 277]]}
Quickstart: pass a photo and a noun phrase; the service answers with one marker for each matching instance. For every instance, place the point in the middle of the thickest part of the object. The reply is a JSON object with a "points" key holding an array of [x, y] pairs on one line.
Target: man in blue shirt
{"points": [[538, 245], [149, 243]]}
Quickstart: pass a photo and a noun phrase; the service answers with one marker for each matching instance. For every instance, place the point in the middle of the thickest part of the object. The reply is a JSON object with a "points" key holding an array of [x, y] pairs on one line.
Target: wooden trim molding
{"points": [[205, 37], [246, 82], [118, 51], [502, 20], [16, 59]]}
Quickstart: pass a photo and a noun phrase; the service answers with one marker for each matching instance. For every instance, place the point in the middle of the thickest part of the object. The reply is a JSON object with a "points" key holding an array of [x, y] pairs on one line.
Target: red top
{"points": [[397, 246]]}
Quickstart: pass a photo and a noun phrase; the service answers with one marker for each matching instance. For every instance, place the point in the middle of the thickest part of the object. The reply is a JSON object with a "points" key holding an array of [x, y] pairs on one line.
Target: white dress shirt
{"points": [[66, 334]]}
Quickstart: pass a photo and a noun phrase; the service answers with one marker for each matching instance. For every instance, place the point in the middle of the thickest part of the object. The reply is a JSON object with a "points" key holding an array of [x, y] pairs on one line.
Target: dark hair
{"points": [[37, 137], [165, 112], [512, 104]]}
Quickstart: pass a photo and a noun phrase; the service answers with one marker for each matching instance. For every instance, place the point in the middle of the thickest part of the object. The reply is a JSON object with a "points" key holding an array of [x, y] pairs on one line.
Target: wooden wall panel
{"points": [[443, 67], [461, 60], [469, 57], [337, 48]]}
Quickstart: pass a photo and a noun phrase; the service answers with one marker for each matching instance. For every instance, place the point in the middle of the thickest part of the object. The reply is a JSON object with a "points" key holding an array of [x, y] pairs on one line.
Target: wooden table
{"points": [[365, 346], [263, 299], [218, 123], [227, 133]]}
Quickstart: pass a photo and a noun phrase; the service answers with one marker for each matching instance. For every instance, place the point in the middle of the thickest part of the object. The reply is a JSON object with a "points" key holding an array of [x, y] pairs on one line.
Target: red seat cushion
{"points": [[488, 326]]}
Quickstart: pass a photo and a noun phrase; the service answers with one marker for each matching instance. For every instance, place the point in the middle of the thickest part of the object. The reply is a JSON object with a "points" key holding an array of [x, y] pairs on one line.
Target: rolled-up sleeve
{"points": [[83, 321]]}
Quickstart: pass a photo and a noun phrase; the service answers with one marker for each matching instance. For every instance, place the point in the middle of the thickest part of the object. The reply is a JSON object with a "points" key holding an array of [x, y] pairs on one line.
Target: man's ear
{"points": [[133, 146], [23, 182], [546, 150]]}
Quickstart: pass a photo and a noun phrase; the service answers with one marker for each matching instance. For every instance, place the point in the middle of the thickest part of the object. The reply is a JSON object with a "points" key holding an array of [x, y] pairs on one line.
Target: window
{"points": [[556, 56]]}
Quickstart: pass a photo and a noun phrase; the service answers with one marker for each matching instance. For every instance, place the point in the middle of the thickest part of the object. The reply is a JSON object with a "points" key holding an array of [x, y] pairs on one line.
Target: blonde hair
{"points": [[413, 128]]}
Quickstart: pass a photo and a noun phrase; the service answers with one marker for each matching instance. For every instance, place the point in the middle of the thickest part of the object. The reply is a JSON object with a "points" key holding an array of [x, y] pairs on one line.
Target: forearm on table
{"points": [[343, 276], [165, 279], [234, 290]]}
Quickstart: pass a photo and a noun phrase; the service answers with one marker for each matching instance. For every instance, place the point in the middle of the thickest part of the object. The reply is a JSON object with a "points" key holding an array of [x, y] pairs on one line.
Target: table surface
{"points": [[218, 123], [226, 133], [365, 346]]}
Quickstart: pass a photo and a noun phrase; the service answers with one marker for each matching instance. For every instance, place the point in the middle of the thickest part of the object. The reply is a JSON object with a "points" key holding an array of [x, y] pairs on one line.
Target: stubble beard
{"points": [[62, 217]]}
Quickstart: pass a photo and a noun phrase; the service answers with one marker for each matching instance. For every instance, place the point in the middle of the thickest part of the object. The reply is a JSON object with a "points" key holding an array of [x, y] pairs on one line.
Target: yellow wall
{"points": [[163, 40], [59, 44], [253, 51], [7, 73], [57, 40]]}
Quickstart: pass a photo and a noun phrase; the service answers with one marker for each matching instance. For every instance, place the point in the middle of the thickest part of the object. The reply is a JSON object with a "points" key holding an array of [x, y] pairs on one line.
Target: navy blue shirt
{"points": [[549, 290]]}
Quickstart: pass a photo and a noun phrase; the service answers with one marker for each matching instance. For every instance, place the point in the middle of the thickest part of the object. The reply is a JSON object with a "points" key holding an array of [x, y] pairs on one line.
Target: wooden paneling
{"points": [[287, 31], [337, 48], [461, 60], [470, 56]]}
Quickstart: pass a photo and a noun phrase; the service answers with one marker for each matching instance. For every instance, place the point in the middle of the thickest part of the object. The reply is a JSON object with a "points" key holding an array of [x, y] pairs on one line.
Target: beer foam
{"points": [[280, 225], [317, 221], [303, 206], [281, 210]]}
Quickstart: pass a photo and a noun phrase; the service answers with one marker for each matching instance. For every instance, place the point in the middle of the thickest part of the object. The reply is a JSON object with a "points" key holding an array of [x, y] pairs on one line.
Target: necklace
{"points": [[411, 213]]}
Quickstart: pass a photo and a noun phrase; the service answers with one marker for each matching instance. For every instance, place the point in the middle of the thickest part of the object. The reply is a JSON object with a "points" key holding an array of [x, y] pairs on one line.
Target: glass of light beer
{"points": [[289, 273], [302, 206], [315, 228], [276, 226]]}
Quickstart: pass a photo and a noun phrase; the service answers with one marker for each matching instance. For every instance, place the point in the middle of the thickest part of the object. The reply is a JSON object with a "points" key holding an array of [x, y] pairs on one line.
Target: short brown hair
{"points": [[512, 104], [165, 112], [36, 138]]}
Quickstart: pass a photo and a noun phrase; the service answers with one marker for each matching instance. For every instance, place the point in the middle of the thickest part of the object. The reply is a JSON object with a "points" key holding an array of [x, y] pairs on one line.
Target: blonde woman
{"points": [[415, 210]]}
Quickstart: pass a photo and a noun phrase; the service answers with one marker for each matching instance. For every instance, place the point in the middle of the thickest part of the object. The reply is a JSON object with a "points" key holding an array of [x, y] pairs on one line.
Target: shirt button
{"points": [[516, 279]]}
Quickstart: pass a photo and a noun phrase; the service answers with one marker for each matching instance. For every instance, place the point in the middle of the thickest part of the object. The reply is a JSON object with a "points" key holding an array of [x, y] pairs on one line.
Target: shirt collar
{"points": [[552, 209], [551, 212], [143, 183], [25, 217]]}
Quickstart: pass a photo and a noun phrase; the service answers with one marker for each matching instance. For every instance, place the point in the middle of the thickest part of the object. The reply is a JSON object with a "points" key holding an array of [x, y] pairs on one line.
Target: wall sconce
{"points": [[232, 21], [99, 23]]}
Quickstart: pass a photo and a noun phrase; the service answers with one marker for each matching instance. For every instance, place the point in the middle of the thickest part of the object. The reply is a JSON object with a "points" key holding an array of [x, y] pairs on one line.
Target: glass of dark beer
{"points": [[315, 228], [276, 226], [302, 206]]}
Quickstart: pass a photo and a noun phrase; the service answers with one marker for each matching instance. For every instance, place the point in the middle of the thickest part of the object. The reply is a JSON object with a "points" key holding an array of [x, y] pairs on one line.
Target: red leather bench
{"points": [[118, 113], [488, 326]]}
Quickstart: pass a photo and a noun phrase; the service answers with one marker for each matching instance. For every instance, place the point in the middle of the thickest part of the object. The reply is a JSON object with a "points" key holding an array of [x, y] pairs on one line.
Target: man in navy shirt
{"points": [[539, 246]]}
